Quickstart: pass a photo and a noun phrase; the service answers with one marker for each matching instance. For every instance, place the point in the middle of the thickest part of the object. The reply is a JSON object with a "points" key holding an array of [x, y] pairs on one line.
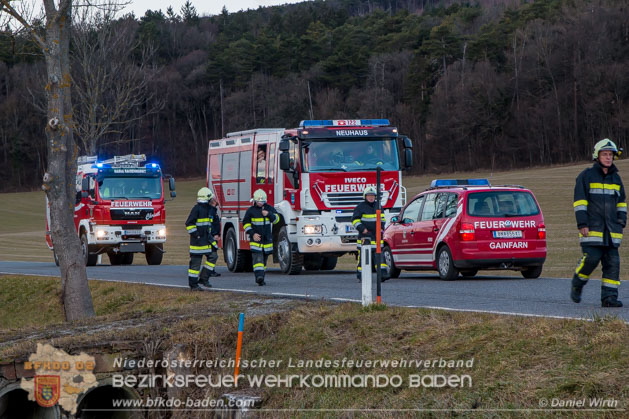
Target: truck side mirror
{"points": [[284, 160], [173, 194], [408, 143], [84, 194], [171, 184], [408, 158], [85, 184], [285, 145]]}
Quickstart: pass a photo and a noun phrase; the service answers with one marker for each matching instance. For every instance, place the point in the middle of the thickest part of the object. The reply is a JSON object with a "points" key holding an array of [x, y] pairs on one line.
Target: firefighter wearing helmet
{"points": [[204, 227], [258, 225], [601, 212], [364, 220]]}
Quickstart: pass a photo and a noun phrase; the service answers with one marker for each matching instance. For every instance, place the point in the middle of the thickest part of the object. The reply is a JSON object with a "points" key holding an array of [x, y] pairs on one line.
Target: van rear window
{"points": [[501, 204]]}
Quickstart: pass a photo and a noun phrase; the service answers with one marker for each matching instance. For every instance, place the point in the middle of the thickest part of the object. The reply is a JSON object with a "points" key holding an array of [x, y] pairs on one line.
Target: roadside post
{"points": [[378, 239], [241, 324], [366, 277]]}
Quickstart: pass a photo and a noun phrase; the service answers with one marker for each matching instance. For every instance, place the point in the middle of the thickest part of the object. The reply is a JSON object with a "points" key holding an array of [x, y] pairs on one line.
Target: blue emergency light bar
{"points": [[344, 123], [440, 183]]}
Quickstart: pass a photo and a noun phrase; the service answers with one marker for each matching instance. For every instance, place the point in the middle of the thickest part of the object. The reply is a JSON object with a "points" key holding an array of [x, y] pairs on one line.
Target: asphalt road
{"points": [[546, 297]]}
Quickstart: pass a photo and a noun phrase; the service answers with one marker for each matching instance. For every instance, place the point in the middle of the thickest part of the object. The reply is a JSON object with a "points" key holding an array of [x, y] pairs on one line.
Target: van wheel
{"points": [[388, 259], [154, 254], [90, 260], [127, 258], [469, 273], [532, 272], [312, 262], [445, 264], [234, 259], [329, 263], [291, 261]]}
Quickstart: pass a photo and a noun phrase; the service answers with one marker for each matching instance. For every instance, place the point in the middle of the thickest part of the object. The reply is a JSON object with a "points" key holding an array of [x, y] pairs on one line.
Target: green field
{"points": [[22, 232]]}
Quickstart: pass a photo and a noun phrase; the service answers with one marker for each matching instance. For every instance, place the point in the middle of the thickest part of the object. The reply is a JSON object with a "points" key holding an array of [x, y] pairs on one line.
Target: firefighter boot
{"points": [[611, 302], [577, 289], [260, 280]]}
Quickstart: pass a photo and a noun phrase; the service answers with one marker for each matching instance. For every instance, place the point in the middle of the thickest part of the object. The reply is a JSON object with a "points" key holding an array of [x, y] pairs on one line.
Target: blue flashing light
{"points": [[153, 165], [440, 183], [344, 123], [99, 165]]}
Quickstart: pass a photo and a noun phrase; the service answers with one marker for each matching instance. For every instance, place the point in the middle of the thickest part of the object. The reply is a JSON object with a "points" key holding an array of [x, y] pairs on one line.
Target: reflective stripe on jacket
{"points": [[202, 225], [599, 204], [255, 222]]}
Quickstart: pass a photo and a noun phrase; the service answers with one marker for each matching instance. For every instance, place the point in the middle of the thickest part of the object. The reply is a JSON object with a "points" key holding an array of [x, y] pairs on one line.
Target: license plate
{"points": [[350, 229], [511, 234], [132, 232]]}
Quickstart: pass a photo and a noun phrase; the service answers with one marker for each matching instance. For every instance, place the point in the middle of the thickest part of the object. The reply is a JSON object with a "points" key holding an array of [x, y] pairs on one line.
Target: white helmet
{"points": [[370, 190], [259, 196], [204, 195]]}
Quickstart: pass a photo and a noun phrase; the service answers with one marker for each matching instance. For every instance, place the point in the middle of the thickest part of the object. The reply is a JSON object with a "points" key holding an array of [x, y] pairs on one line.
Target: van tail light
{"points": [[467, 232], [541, 231]]}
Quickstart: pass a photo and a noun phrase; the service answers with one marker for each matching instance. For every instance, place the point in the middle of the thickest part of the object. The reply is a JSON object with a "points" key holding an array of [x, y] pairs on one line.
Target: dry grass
{"points": [[22, 236], [517, 361]]}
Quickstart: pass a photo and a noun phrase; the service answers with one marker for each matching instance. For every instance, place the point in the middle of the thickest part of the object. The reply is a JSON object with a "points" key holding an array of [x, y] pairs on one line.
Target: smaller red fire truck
{"points": [[119, 209]]}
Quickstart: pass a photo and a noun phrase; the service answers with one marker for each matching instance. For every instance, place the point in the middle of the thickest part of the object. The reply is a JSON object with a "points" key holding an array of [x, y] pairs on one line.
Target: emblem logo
{"points": [[47, 390], [508, 223]]}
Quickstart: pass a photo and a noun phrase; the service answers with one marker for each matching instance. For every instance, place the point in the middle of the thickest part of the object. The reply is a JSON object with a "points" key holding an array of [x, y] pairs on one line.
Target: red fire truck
{"points": [[119, 209], [314, 175]]}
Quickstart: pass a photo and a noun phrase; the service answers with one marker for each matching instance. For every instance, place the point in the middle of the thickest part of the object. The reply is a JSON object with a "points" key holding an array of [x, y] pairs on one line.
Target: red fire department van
{"points": [[119, 209], [314, 175], [466, 225]]}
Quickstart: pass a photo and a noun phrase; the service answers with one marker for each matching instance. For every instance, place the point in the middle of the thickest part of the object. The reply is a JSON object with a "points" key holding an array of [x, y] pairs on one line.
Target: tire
{"points": [[127, 258], [115, 259], [533, 272], [445, 264], [90, 260], [388, 259], [235, 259], [329, 263], [291, 261], [312, 262], [54, 255], [469, 273], [154, 254]]}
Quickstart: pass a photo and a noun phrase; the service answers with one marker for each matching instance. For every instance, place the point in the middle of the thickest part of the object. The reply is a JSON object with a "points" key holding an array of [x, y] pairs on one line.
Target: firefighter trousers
{"points": [[383, 266], [196, 273], [610, 261], [259, 264]]}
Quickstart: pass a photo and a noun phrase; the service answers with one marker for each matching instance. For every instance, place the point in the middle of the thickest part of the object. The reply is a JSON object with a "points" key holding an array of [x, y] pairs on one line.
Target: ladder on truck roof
{"points": [[132, 160]]}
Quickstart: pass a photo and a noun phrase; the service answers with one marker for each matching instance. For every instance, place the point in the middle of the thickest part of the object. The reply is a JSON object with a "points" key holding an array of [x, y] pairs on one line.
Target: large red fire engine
{"points": [[314, 175], [119, 209]]}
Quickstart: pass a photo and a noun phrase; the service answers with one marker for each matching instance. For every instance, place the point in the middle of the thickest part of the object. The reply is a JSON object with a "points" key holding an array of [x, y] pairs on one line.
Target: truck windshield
{"points": [[120, 187], [350, 155]]}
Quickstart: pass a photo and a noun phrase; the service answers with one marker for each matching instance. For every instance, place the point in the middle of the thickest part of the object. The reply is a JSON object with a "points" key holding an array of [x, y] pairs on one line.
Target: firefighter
{"points": [[601, 213], [203, 225], [258, 224], [364, 220]]}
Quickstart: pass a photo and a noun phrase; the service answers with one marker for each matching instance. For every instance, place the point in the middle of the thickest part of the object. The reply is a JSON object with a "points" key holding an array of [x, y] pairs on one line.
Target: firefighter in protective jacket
{"points": [[204, 227], [601, 212], [364, 220], [258, 224]]}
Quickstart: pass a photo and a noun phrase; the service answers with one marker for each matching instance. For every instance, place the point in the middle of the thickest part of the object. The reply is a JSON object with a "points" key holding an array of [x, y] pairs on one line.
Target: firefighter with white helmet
{"points": [[364, 220], [258, 225], [204, 227], [601, 213]]}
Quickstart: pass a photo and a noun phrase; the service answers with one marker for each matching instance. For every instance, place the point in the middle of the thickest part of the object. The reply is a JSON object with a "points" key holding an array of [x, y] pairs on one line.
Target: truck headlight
{"points": [[100, 233], [162, 232], [313, 229]]}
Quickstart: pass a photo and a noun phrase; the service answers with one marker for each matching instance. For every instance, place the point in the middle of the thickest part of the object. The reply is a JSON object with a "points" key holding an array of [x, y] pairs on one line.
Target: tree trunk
{"points": [[59, 179]]}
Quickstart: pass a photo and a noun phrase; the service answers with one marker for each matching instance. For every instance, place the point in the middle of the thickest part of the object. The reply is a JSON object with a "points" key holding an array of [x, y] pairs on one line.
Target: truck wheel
{"points": [[532, 272], [312, 262], [387, 255], [154, 254], [445, 264], [114, 258], [90, 260], [234, 259], [291, 261], [127, 258], [329, 263]]}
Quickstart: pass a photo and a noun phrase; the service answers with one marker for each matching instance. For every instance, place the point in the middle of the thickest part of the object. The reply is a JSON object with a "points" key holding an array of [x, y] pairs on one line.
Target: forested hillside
{"points": [[493, 84]]}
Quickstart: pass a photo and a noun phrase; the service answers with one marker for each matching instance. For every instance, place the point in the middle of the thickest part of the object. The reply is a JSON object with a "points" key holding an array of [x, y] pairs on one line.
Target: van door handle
{"points": [[435, 229]]}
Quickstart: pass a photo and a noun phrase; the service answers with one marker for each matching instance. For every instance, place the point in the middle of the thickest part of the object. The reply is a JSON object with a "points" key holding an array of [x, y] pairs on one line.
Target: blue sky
{"points": [[204, 7]]}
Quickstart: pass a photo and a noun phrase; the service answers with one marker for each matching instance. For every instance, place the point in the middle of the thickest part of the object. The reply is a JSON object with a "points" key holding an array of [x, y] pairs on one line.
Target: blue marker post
{"points": [[241, 326]]}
